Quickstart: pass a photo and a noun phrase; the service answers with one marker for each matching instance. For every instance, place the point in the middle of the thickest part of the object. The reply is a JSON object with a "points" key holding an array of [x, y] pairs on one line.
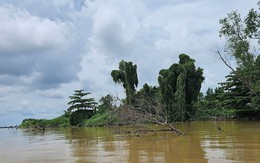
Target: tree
{"points": [[80, 107], [237, 95], [242, 40], [213, 106], [147, 99], [126, 75], [106, 103], [242, 35], [78, 102], [180, 86]]}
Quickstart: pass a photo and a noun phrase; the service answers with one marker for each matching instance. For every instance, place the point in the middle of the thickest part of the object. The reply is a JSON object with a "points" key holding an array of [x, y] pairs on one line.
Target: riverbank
{"points": [[9, 127], [61, 121], [115, 118]]}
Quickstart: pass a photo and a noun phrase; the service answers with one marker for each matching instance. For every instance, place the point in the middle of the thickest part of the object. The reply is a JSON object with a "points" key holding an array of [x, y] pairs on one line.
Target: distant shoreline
{"points": [[12, 127]]}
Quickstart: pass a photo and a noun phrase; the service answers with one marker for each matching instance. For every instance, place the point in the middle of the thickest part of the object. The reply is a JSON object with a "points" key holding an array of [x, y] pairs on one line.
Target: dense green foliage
{"points": [[239, 95], [77, 101], [126, 75], [180, 86], [105, 104], [81, 107], [61, 121], [78, 116], [107, 118], [212, 106], [147, 99], [242, 88]]}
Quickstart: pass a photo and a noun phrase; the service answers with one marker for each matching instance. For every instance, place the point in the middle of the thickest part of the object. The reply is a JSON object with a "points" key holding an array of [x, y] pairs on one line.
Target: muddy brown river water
{"points": [[238, 142]]}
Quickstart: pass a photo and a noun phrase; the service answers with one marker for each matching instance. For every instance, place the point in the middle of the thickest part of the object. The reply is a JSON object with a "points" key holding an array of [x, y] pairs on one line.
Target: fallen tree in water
{"points": [[157, 119], [136, 116]]}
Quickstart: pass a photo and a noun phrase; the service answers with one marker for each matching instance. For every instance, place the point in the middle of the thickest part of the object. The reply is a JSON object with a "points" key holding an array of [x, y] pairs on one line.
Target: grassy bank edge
{"points": [[110, 119]]}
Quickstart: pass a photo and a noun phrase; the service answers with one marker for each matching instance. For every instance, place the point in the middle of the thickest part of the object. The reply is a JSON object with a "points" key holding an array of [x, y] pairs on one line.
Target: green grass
{"points": [[59, 122], [55, 122], [101, 120]]}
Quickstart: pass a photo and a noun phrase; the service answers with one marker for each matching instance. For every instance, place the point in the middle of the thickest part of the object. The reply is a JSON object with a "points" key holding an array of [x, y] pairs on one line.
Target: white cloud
{"points": [[22, 32], [48, 49], [37, 51], [115, 28]]}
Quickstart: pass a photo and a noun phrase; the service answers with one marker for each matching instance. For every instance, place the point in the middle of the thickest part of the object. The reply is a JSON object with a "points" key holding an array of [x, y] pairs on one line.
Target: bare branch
{"points": [[225, 62], [159, 120]]}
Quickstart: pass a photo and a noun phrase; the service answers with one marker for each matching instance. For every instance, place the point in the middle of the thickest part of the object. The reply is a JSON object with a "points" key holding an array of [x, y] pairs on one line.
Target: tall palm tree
{"points": [[126, 75]]}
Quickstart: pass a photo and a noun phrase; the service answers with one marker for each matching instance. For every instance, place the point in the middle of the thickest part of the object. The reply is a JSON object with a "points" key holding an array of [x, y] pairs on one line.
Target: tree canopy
{"points": [[242, 43], [180, 86], [105, 103], [147, 98], [78, 102]]}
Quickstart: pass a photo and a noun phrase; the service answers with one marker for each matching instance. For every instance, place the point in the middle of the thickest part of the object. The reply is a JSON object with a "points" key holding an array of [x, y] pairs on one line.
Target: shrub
{"points": [[61, 121], [104, 119], [207, 114], [77, 117]]}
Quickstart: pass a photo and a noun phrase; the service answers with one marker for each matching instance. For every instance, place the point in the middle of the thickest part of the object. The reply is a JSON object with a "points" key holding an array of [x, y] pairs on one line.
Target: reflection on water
{"points": [[238, 142]]}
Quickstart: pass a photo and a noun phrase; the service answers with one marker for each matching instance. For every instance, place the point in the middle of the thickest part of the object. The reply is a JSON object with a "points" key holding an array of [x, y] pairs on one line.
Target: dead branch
{"points": [[157, 121], [225, 62], [142, 112]]}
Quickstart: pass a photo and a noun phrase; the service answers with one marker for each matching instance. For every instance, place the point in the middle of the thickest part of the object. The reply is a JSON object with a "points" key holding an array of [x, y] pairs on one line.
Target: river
{"points": [[238, 141]]}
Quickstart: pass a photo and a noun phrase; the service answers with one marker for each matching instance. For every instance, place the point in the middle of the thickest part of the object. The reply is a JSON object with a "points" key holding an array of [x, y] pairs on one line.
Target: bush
{"points": [[104, 119], [78, 116], [61, 121], [250, 114], [207, 114], [34, 122]]}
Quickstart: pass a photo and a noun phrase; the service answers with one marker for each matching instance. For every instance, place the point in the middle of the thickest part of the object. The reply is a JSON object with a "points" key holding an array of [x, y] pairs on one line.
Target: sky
{"points": [[50, 48]]}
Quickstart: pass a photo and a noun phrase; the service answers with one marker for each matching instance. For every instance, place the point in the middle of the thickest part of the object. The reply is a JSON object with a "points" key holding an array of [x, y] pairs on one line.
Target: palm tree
{"points": [[126, 75], [78, 102]]}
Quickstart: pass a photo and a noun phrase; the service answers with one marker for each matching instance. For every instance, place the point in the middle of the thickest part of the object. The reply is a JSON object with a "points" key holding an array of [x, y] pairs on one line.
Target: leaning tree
{"points": [[127, 76]]}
